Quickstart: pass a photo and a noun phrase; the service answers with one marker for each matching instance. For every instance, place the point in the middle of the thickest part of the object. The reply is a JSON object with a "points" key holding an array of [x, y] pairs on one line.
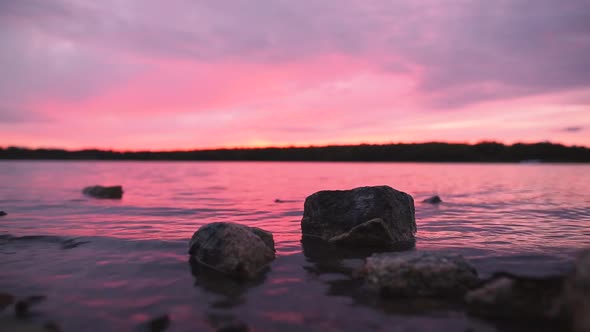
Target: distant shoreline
{"points": [[403, 152]]}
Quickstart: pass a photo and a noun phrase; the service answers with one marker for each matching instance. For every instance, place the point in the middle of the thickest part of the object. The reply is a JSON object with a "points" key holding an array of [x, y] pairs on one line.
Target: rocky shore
{"points": [[378, 219], [376, 225]]}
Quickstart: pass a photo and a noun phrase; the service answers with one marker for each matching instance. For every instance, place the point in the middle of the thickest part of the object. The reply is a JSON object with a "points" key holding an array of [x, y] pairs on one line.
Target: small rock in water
{"points": [[513, 297], [423, 274], [114, 192], [378, 217], [279, 201], [576, 295], [2, 213], [433, 200], [159, 324], [22, 307], [233, 249]]}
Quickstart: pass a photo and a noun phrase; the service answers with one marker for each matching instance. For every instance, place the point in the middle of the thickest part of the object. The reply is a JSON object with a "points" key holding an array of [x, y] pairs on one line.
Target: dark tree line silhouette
{"points": [[422, 152]]}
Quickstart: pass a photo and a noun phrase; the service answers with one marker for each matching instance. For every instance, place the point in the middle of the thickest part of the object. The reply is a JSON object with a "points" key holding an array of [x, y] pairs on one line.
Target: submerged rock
{"points": [[576, 294], [22, 307], [114, 192], [13, 324], [433, 200], [507, 296], [419, 274], [379, 217], [2, 213], [158, 324], [227, 323], [236, 250], [233, 326], [6, 300]]}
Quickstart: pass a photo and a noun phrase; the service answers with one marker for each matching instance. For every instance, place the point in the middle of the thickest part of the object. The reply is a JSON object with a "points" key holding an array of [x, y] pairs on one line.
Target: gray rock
{"points": [[507, 296], [114, 192], [236, 250], [379, 217], [576, 294], [419, 274], [433, 200]]}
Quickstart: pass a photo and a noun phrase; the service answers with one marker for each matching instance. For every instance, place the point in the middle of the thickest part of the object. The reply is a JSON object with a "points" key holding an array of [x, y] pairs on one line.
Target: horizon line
{"points": [[291, 146]]}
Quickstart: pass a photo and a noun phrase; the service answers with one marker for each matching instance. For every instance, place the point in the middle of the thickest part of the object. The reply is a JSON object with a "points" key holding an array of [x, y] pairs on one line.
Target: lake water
{"points": [[110, 265]]}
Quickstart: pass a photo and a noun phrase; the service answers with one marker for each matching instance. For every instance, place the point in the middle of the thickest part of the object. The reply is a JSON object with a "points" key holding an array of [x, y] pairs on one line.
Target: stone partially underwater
{"points": [[379, 217], [510, 297], [113, 192], [419, 274], [235, 250]]}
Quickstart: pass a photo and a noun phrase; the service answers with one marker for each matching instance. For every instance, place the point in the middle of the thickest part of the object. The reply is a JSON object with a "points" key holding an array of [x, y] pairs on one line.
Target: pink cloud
{"points": [[235, 73]]}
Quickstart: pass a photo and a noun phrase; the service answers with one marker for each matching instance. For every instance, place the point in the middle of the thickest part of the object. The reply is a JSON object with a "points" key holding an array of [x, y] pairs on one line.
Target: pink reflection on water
{"points": [[114, 284], [506, 207], [285, 280], [140, 318]]}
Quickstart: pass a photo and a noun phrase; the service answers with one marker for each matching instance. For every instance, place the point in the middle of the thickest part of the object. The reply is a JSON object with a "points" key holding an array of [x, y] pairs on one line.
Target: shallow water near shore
{"points": [[110, 265]]}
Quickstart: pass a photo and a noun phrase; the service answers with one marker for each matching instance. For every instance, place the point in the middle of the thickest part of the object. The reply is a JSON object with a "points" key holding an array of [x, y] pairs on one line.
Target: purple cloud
{"points": [[467, 51]]}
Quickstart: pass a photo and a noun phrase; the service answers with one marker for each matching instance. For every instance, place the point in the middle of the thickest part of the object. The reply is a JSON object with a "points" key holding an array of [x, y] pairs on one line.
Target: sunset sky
{"points": [[162, 75]]}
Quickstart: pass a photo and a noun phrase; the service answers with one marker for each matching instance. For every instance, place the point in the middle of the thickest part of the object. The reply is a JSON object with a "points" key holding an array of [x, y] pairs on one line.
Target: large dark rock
{"points": [[114, 192], [2, 213], [576, 294], [507, 296], [419, 274], [236, 250], [379, 217]]}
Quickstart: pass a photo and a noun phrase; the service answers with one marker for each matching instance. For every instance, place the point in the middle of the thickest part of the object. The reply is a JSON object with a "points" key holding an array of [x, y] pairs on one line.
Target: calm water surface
{"points": [[109, 265]]}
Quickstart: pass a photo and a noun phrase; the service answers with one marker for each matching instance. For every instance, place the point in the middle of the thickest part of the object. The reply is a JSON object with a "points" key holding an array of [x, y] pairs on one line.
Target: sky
{"points": [[180, 74]]}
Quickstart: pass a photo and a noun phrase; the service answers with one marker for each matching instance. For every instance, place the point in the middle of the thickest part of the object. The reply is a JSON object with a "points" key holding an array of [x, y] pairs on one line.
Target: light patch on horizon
{"points": [[241, 73]]}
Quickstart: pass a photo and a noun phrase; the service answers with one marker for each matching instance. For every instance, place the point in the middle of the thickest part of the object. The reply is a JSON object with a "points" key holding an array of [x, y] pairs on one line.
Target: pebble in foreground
{"points": [[236, 250]]}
